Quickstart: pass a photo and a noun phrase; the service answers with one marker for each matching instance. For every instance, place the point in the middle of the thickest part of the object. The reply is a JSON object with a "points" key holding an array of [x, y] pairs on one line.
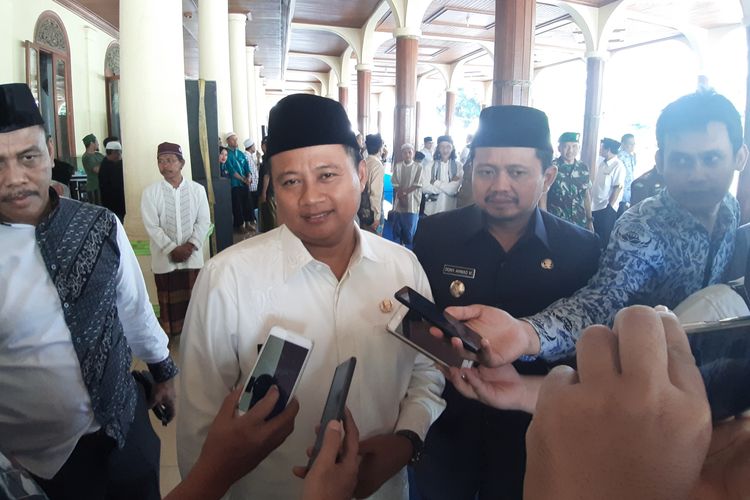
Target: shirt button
{"points": [[66, 305], [53, 266]]}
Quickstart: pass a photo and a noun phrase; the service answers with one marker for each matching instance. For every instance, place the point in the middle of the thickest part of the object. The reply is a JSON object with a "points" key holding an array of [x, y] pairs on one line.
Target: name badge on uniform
{"points": [[459, 272]]}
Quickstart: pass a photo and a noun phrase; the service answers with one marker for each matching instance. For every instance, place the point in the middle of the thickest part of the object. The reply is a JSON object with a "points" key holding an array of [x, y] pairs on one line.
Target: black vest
{"points": [[78, 242]]}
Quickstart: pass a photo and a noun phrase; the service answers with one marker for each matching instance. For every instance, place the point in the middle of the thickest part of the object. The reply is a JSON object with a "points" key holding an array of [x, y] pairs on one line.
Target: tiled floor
{"points": [[169, 474]]}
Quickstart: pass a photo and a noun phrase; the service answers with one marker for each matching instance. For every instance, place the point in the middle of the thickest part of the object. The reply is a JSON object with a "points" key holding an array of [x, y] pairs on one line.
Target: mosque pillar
{"points": [[238, 74], [252, 95], [404, 122], [364, 79], [344, 96], [145, 24], [514, 40], [213, 49], [743, 187], [450, 108], [593, 112]]}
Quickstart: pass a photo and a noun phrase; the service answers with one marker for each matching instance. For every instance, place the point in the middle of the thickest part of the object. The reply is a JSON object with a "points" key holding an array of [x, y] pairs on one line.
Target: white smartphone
{"points": [[409, 327], [281, 361]]}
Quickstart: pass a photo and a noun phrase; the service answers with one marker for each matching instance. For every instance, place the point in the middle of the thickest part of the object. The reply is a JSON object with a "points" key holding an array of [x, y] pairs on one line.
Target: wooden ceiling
{"points": [[467, 23]]}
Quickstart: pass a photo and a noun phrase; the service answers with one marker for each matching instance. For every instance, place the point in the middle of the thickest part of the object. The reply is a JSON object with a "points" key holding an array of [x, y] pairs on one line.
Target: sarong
{"points": [[173, 291]]}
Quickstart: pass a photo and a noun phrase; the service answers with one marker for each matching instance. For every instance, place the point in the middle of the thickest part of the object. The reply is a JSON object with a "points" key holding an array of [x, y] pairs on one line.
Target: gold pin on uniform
{"points": [[386, 306], [457, 288], [547, 264]]}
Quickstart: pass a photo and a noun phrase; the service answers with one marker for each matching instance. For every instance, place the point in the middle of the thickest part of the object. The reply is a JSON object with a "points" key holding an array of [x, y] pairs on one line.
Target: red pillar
{"points": [[406, 91], [514, 39], [344, 96]]}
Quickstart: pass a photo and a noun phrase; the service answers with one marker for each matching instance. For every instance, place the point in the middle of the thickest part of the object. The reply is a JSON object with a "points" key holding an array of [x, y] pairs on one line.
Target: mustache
{"points": [[18, 195], [500, 198]]}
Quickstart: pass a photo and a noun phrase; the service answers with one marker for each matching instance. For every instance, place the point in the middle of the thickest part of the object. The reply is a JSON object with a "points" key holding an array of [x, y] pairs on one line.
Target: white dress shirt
{"points": [[609, 175], [443, 186], [173, 216], [272, 280], [45, 407]]}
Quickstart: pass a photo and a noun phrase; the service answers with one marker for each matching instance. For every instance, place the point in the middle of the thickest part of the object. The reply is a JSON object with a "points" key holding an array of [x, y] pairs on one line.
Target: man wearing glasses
{"points": [[176, 215]]}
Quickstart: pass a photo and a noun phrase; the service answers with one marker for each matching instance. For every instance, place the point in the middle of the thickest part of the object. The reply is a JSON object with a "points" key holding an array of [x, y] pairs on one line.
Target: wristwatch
{"points": [[416, 443]]}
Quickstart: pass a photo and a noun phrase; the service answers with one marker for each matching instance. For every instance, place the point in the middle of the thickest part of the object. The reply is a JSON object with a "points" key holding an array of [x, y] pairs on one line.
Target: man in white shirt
{"points": [[252, 161], [72, 306], [375, 180], [442, 179], [176, 216], [428, 150], [320, 276], [407, 195], [606, 192]]}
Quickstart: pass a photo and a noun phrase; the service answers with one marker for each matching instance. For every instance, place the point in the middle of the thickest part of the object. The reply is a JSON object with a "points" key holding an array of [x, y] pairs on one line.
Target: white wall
{"points": [[88, 46]]}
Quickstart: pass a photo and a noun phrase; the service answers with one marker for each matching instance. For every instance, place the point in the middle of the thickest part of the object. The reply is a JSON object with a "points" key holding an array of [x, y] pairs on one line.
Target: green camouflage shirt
{"points": [[567, 195]]}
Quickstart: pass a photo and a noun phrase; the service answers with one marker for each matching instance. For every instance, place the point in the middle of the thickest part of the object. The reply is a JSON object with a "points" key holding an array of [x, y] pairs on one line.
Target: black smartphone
{"points": [[409, 327], [449, 325], [722, 353], [335, 402]]}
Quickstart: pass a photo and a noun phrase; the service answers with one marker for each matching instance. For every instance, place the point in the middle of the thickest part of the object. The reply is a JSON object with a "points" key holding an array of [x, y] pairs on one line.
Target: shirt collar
{"points": [[726, 218], [182, 183], [476, 222], [296, 256]]}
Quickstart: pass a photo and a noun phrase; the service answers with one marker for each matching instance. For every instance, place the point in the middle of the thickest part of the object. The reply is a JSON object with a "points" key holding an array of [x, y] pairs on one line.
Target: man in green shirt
{"points": [[92, 160], [569, 197]]}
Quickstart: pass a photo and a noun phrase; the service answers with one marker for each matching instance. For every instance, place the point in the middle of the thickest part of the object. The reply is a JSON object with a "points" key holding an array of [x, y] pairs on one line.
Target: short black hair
{"points": [[626, 137], [694, 112], [222, 148], [610, 145], [373, 142], [545, 156]]}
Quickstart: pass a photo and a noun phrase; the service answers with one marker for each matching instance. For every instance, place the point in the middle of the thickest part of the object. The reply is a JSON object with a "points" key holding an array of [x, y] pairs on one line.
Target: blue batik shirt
{"points": [[659, 253], [237, 163], [628, 161]]}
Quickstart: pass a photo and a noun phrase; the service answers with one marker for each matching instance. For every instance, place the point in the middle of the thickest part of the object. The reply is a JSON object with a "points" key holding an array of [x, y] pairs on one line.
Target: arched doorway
{"points": [[48, 76]]}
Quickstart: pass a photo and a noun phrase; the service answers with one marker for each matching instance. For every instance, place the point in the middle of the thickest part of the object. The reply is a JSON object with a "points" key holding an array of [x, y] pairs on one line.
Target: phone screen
{"points": [[336, 401], [722, 353], [280, 363], [447, 323]]}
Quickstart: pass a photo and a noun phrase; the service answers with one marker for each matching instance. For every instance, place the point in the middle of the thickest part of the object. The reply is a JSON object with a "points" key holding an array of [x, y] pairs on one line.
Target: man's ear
{"points": [[659, 161], [740, 158], [549, 177]]}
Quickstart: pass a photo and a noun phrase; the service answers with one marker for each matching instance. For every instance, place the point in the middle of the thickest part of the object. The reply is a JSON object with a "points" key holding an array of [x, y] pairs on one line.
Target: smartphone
{"points": [[335, 402], [722, 353], [449, 325], [408, 326], [281, 361]]}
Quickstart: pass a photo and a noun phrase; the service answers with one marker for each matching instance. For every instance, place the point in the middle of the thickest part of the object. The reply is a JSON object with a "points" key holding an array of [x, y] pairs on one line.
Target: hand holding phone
{"points": [[449, 325], [335, 402], [280, 362]]}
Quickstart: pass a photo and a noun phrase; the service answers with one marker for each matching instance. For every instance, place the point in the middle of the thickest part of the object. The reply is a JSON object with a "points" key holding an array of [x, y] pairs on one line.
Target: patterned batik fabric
{"points": [[566, 197], [173, 290], [17, 484], [79, 246], [658, 254]]}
